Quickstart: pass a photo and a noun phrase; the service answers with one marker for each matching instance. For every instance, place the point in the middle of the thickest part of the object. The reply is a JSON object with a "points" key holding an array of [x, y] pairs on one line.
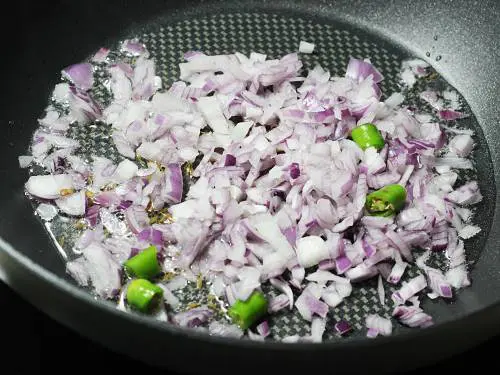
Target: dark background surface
{"points": [[37, 344]]}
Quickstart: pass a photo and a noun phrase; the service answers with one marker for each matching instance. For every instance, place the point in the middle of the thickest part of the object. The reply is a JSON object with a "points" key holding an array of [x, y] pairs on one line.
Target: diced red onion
{"points": [[397, 272], [450, 114], [342, 327], [283, 287], [308, 304], [342, 264], [103, 270], [72, 204], [218, 329], [462, 145], [49, 186], [263, 329], [306, 47], [193, 317], [81, 75], [438, 283], [278, 303], [400, 244], [381, 290], [46, 211], [101, 55], [412, 316], [359, 70], [318, 327], [409, 289], [284, 189], [152, 236], [361, 272], [377, 325], [311, 250], [78, 269], [466, 194]]}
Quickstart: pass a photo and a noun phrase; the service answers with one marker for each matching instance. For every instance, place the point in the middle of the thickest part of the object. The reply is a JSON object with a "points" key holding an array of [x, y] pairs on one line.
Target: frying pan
{"points": [[459, 38]]}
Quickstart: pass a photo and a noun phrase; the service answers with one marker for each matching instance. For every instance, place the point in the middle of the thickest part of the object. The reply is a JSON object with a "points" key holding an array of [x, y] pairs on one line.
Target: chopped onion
{"points": [[318, 327], [409, 289], [193, 317], [72, 204], [81, 75], [412, 316], [49, 186], [311, 250], [225, 330], [462, 145], [378, 326], [25, 161], [306, 47], [248, 178], [46, 211], [342, 327]]}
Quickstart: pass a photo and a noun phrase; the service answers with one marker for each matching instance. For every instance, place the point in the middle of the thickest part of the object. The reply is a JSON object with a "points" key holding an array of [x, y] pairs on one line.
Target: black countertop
{"points": [[36, 344]]}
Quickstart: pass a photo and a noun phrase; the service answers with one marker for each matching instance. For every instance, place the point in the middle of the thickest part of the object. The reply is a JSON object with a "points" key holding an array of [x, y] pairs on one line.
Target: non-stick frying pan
{"points": [[459, 38]]}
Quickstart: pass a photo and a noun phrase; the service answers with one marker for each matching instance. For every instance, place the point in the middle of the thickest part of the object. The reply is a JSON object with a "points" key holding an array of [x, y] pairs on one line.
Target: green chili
{"points": [[386, 201], [143, 295], [144, 265], [246, 313], [367, 135]]}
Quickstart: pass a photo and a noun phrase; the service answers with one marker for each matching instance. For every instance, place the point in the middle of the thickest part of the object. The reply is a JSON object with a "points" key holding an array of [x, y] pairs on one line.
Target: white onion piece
{"points": [[381, 325], [72, 204], [25, 160], [336, 292], [306, 47], [78, 269], [104, 271], [469, 231], [308, 303], [210, 108], [125, 171], [176, 283], [318, 327], [46, 211], [285, 288], [381, 290], [311, 250], [225, 330], [462, 145], [409, 289], [240, 130], [49, 186], [412, 316], [267, 227]]}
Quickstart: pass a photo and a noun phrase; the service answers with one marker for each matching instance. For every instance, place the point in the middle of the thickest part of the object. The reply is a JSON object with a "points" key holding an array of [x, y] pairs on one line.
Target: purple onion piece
{"points": [[342, 327]]}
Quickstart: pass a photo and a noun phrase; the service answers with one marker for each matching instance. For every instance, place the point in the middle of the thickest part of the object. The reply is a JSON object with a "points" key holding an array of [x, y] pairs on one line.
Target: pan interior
{"points": [[277, 34]]}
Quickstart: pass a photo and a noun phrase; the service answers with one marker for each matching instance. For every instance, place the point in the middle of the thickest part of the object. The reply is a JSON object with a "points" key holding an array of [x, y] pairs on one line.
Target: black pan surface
{"points": [[64, 33]]}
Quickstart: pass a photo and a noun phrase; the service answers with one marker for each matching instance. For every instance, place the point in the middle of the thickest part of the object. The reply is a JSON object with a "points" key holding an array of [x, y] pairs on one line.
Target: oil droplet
{"points": [[428, 54], [438, 57], [435, 37]]}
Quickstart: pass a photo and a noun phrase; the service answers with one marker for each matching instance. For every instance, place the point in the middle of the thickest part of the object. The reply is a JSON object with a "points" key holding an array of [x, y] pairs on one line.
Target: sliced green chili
{"points": [[144, 265], [386, 201], [143, 295], [367, 135], [246, 313]]}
